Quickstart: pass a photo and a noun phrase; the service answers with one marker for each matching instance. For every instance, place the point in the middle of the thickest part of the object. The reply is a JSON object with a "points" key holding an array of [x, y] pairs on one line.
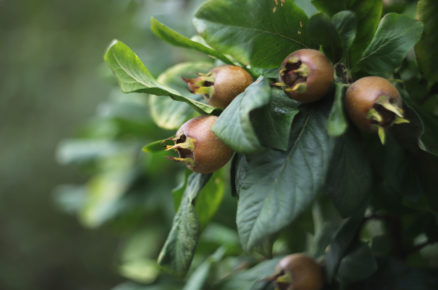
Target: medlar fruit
{"points": [[198, 147], [298, 272], [221, 85], [374, 104], [306, 75]]}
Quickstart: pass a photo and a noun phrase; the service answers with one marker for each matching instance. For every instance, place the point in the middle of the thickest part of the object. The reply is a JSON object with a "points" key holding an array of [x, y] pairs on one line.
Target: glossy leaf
{"points": [[133, 76], [177, 39], [179, 248], [167, 113], [349, 178], [234, 126], [337, 124], [276, 186], [368, 13], [273, 122], [394, 38], [426, 52], [250, 31]]}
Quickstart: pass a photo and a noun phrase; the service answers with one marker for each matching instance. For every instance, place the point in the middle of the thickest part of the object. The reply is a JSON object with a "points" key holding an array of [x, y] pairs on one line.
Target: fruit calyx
{"points": [[202, 85], [294, 75], [184, 146]]}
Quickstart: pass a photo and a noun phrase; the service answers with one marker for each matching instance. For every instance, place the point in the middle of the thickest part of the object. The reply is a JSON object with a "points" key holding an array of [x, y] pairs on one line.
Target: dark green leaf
{"points": [[250, 31], [394, 38], [368, 13], [133, 76], [427, 54], [173, 37], [357, 265], [273, 122], [337, 124], [234, 125], [276, 186], [349, 178], [167, 113], [179, 248], [346, 25], [323, 33], [342, 241]]}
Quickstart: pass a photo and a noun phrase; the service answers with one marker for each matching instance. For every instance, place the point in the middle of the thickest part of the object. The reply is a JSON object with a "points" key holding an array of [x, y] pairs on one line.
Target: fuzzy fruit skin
{"points": [[362, 95], [229, 81], [306, 272], [209, 152], [318, 81]]}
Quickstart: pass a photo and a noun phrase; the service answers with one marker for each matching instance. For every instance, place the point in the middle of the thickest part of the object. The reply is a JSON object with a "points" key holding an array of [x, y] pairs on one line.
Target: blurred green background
{"points": [[52, 78]]}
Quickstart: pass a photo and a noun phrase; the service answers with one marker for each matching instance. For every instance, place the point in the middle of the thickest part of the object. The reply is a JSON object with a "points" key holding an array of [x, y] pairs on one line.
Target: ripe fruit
{"points": [[306, 75], [221, 85], [198, 147], [298, 272], [374, 104]]}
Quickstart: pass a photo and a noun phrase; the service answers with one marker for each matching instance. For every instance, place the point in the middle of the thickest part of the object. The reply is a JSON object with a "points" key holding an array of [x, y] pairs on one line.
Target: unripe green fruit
{"points": [[221, 85], [374, 104], [306, 75], [198, 147], [298, 272]]}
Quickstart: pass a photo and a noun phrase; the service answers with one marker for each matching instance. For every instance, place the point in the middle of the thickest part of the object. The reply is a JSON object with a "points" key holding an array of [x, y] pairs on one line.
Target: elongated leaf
{"points": [[322, 32], [368, 13], [133, 76], [349, 178], [337, 124], [357, 265], [427, 54], [179, 248], [173, 37], [346, 25], [234, 125], [394, 38], [273, 122], [250, 31], [167, 113], [276, 186]]}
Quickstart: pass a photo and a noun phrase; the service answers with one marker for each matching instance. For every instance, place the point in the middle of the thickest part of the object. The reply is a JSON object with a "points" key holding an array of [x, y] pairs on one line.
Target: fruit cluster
{"points": [[306, 75]]}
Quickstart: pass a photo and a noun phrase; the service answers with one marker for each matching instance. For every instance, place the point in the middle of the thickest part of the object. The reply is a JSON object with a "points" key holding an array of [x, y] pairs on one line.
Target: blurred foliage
{"points": [[52, 78]]}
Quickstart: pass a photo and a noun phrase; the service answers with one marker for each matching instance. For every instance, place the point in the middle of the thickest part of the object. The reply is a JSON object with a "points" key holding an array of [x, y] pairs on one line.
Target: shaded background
{"points": [[52, 77]]}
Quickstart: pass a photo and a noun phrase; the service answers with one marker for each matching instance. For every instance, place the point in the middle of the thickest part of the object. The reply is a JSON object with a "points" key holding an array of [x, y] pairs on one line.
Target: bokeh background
{"points": [[52, 80]]}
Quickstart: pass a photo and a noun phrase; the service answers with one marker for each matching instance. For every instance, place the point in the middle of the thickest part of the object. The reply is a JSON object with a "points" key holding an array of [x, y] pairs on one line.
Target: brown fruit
{"points": [[374, 104], [298, 272], [198, 147], [221, 85], [306, 75]]}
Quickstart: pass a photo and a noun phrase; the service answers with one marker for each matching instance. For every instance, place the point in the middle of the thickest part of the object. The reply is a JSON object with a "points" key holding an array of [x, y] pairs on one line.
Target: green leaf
{"points": [[357, 265], [273, 122], [307, 7], [346, 25], [323, 33], [234, 125], [250, 31], [253, 278], [340, 245], [210, 198], [276, 186], [173, 37], [179, 248], [155, 146], [337, 124], [427, 54], [349, 178], [368, 13], [167, 113], [394, 38], [133, 76]]}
